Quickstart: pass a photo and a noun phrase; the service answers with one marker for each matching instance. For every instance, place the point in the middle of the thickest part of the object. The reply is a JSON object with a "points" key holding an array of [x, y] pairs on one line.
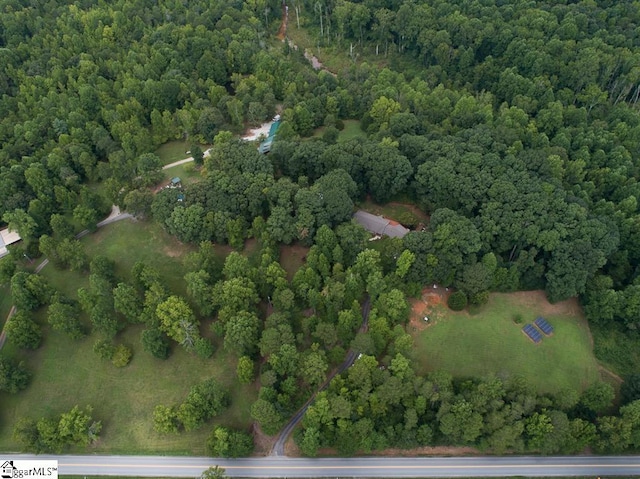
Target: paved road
{"points": [[164, 466], [278, 447]]}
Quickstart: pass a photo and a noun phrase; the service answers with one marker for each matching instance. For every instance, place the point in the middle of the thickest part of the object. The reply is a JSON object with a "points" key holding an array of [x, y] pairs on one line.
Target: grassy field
{"points": [[126, 242], [186, 172], [69, 373], [350, 131], [491, 342], [173, 151]]}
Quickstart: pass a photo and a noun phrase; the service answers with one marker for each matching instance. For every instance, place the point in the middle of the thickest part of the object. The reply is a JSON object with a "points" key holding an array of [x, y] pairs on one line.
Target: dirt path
{"points": [[282, 31]]}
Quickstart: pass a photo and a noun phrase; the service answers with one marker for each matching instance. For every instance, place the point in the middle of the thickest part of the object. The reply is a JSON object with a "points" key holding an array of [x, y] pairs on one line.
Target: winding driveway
{"points": [[278, 447]]}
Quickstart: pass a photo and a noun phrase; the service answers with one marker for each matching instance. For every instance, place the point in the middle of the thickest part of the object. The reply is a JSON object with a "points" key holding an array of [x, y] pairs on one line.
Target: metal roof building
{"points": [[380, 225], [6, 238]]}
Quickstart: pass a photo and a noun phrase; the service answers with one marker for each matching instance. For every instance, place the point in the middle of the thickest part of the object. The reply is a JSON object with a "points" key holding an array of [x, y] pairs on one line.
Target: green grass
{"points": [[350, 131], [69, 373], [186, 172], [173, 151], [490, 342], [406, 214], [127, 242]]}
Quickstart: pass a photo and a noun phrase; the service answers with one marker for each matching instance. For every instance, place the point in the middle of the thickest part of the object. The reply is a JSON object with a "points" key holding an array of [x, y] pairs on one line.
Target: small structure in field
{"points": [[543, 326], [175, 182], [380, 225]]}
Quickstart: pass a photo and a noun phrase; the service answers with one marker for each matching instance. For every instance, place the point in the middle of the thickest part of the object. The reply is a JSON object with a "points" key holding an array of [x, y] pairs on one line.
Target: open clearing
{"points": [[407, 214], [292, 258], [69, 373], [491, 342], [350, 131], [174, 151], [186, 172]]}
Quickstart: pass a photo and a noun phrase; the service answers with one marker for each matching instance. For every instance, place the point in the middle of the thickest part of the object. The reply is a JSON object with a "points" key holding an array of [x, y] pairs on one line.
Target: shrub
{"points": [[104, 349], [480, 298], [457, 301], [517, 318], [203, 348], [121, 356]]}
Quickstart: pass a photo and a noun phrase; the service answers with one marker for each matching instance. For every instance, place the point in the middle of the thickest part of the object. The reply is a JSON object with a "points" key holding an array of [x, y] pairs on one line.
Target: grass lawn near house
{"points": [[407, 214], [491, 342], [174, 151], [187, 172], [69, 373]]}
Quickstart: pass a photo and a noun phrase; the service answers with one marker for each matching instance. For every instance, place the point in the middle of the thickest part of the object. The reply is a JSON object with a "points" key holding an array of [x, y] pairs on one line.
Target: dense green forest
{"points": [[513, 125]]}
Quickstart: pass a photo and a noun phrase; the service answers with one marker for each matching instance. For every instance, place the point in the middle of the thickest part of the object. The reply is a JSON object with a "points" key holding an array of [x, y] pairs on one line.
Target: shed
{"points": [[175, 181], [380, 225]]}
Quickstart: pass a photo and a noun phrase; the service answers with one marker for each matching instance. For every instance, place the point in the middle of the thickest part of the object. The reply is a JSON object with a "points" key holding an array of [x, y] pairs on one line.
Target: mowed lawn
{"points": [[187, 173], [174, 151], [127, 242], [491, 342], [408, 214], [68, 373], [350, 131]]}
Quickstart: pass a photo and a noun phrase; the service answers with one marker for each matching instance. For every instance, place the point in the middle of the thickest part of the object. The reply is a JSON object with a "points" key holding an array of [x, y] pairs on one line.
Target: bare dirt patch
{"points": [[172, 252], [291, 449], [421, 215], [609, 376], [431, 301], [263, 443], [292, 257], [429, 451]]}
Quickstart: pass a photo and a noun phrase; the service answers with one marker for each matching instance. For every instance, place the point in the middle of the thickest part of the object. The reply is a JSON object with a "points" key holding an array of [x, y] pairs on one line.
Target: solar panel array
{"points": [[544, 326], [532, 332]]}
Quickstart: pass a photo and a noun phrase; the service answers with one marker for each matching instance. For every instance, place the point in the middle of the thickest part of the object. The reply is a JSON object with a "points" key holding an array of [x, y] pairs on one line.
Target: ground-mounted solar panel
{"points": [[532, 332], [544, 326]]}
